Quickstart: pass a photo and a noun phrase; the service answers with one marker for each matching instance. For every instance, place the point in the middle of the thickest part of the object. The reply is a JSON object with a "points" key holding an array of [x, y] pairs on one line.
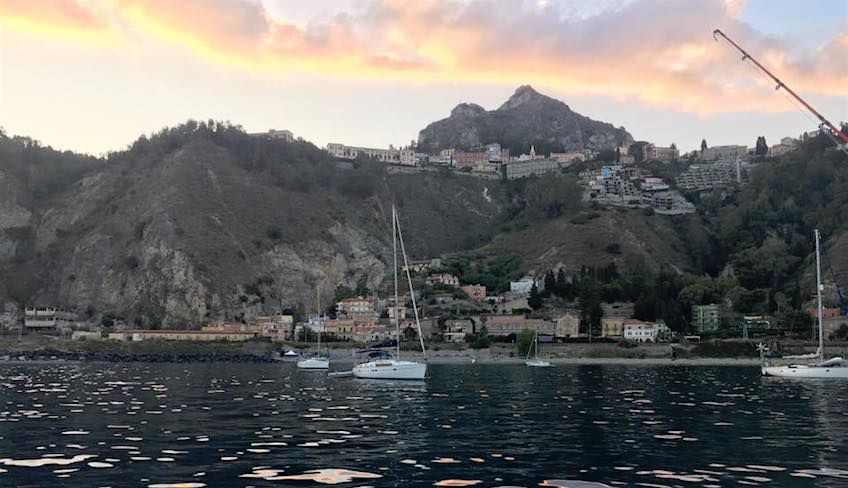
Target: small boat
{"points": [[380, 364], [535, 362], [832, 368], [317, 361]]}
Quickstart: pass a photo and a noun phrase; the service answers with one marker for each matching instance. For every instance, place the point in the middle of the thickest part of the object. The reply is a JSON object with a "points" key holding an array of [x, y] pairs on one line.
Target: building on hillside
{"points": [[661, 153], [408, 157], [530, 167], [48, 319], [440, 160], [706, 319], [567, 326], [521, 287], [341, 151], [613, 326], [504, 325], [424, 265], [442, 279], [397, 312], [456, 330], [476, 159], [475, 292], [356, 307], [725, 153], [638, 331], [283, 135], [568, 158], [181, 335], [705, 177]]}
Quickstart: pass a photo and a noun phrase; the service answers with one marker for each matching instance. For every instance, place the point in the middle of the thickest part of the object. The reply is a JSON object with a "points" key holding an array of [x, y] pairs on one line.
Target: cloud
{"points": [[655, 51]]}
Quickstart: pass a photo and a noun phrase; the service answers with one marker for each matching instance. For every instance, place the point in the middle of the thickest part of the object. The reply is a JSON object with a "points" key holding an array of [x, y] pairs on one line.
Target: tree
{"points": [[798, 322], [618, 155], [524, 341], [590, 305], [550, 283], [703, 145], [534, 300], [761, 148]]}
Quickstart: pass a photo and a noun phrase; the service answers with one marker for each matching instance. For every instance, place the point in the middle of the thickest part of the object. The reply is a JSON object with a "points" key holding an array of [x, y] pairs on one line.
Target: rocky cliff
{"points": [[207, 223], [528, 117]]}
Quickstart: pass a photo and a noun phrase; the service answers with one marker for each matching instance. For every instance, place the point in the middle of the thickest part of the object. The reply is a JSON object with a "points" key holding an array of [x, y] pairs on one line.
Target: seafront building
{"points": [[638, 331], [504, 325], [182, 335]]}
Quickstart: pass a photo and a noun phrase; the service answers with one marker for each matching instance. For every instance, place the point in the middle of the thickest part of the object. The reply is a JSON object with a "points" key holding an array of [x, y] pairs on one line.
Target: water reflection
{"points": [[481, 425]]}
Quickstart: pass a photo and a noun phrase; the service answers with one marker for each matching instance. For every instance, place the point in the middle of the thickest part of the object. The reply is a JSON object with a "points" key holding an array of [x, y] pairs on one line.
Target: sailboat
{"points": [[535, 362], [317, 361], [380, 364], [835, 367]]}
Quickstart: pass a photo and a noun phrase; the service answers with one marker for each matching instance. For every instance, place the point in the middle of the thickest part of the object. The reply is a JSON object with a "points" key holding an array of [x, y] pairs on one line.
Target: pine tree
{"points": [[534, 300], [703, 145]]}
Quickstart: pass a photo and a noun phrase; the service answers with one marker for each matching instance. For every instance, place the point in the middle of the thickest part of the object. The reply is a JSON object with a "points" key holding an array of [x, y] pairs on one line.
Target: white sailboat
{"points": [[835, 367], [378, 364], [535, 362], [317, 361]]}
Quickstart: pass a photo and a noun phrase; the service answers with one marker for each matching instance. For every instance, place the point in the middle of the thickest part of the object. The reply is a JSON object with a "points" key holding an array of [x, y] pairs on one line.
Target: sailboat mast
{"points": [[819, 297], [320, 322], [411, 291], [395, 229]]}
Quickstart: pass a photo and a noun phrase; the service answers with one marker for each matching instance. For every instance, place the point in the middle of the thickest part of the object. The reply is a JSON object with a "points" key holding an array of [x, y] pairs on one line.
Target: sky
{"points": [[94, 75]]}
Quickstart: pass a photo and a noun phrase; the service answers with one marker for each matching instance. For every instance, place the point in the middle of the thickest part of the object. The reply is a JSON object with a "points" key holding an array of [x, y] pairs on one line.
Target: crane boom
{"points": [[745, 56]]}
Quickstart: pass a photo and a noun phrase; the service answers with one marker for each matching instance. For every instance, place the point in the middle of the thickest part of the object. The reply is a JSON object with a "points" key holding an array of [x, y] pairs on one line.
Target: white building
{"points": [[638, 331], [524, 168], [521, 287], [341, 151]]}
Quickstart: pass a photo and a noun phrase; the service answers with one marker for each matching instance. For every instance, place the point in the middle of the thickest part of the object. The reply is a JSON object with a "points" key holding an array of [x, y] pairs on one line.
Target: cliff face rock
{"points": [[526, 118]]}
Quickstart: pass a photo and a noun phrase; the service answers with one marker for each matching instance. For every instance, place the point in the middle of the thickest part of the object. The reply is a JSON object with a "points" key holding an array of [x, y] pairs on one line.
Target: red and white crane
{"points": [[831, 130]]}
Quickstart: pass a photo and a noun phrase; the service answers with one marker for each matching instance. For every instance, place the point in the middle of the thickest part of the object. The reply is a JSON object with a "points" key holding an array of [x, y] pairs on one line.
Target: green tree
{"points": [[589, 302], [523, 341], [535, 299], [761, 148], [798, 322]]}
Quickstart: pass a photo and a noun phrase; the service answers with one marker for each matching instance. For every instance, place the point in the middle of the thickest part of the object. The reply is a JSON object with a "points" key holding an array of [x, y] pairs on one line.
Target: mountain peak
{"points": [[524, 94]]}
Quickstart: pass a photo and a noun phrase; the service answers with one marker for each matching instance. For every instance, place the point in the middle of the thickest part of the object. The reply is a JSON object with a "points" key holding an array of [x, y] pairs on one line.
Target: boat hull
{"points": [[801, 371], [537, 363], [390, 369], [314, 363]]}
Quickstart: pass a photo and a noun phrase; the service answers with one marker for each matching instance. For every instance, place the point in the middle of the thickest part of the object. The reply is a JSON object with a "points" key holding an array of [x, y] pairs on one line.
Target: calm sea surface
{"points": [[236, 425]]}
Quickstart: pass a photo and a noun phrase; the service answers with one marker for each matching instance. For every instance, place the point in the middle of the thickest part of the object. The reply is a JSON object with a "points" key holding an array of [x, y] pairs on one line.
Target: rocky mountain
{"points": [[204, 222], [528, 117]]}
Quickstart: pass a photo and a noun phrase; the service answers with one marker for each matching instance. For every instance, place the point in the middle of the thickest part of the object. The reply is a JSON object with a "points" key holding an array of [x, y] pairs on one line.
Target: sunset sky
{"points": [[92, 75]]}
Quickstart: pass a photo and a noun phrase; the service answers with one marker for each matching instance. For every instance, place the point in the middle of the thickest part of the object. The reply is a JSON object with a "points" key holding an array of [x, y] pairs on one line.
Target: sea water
{"points": [[234, 425]]}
